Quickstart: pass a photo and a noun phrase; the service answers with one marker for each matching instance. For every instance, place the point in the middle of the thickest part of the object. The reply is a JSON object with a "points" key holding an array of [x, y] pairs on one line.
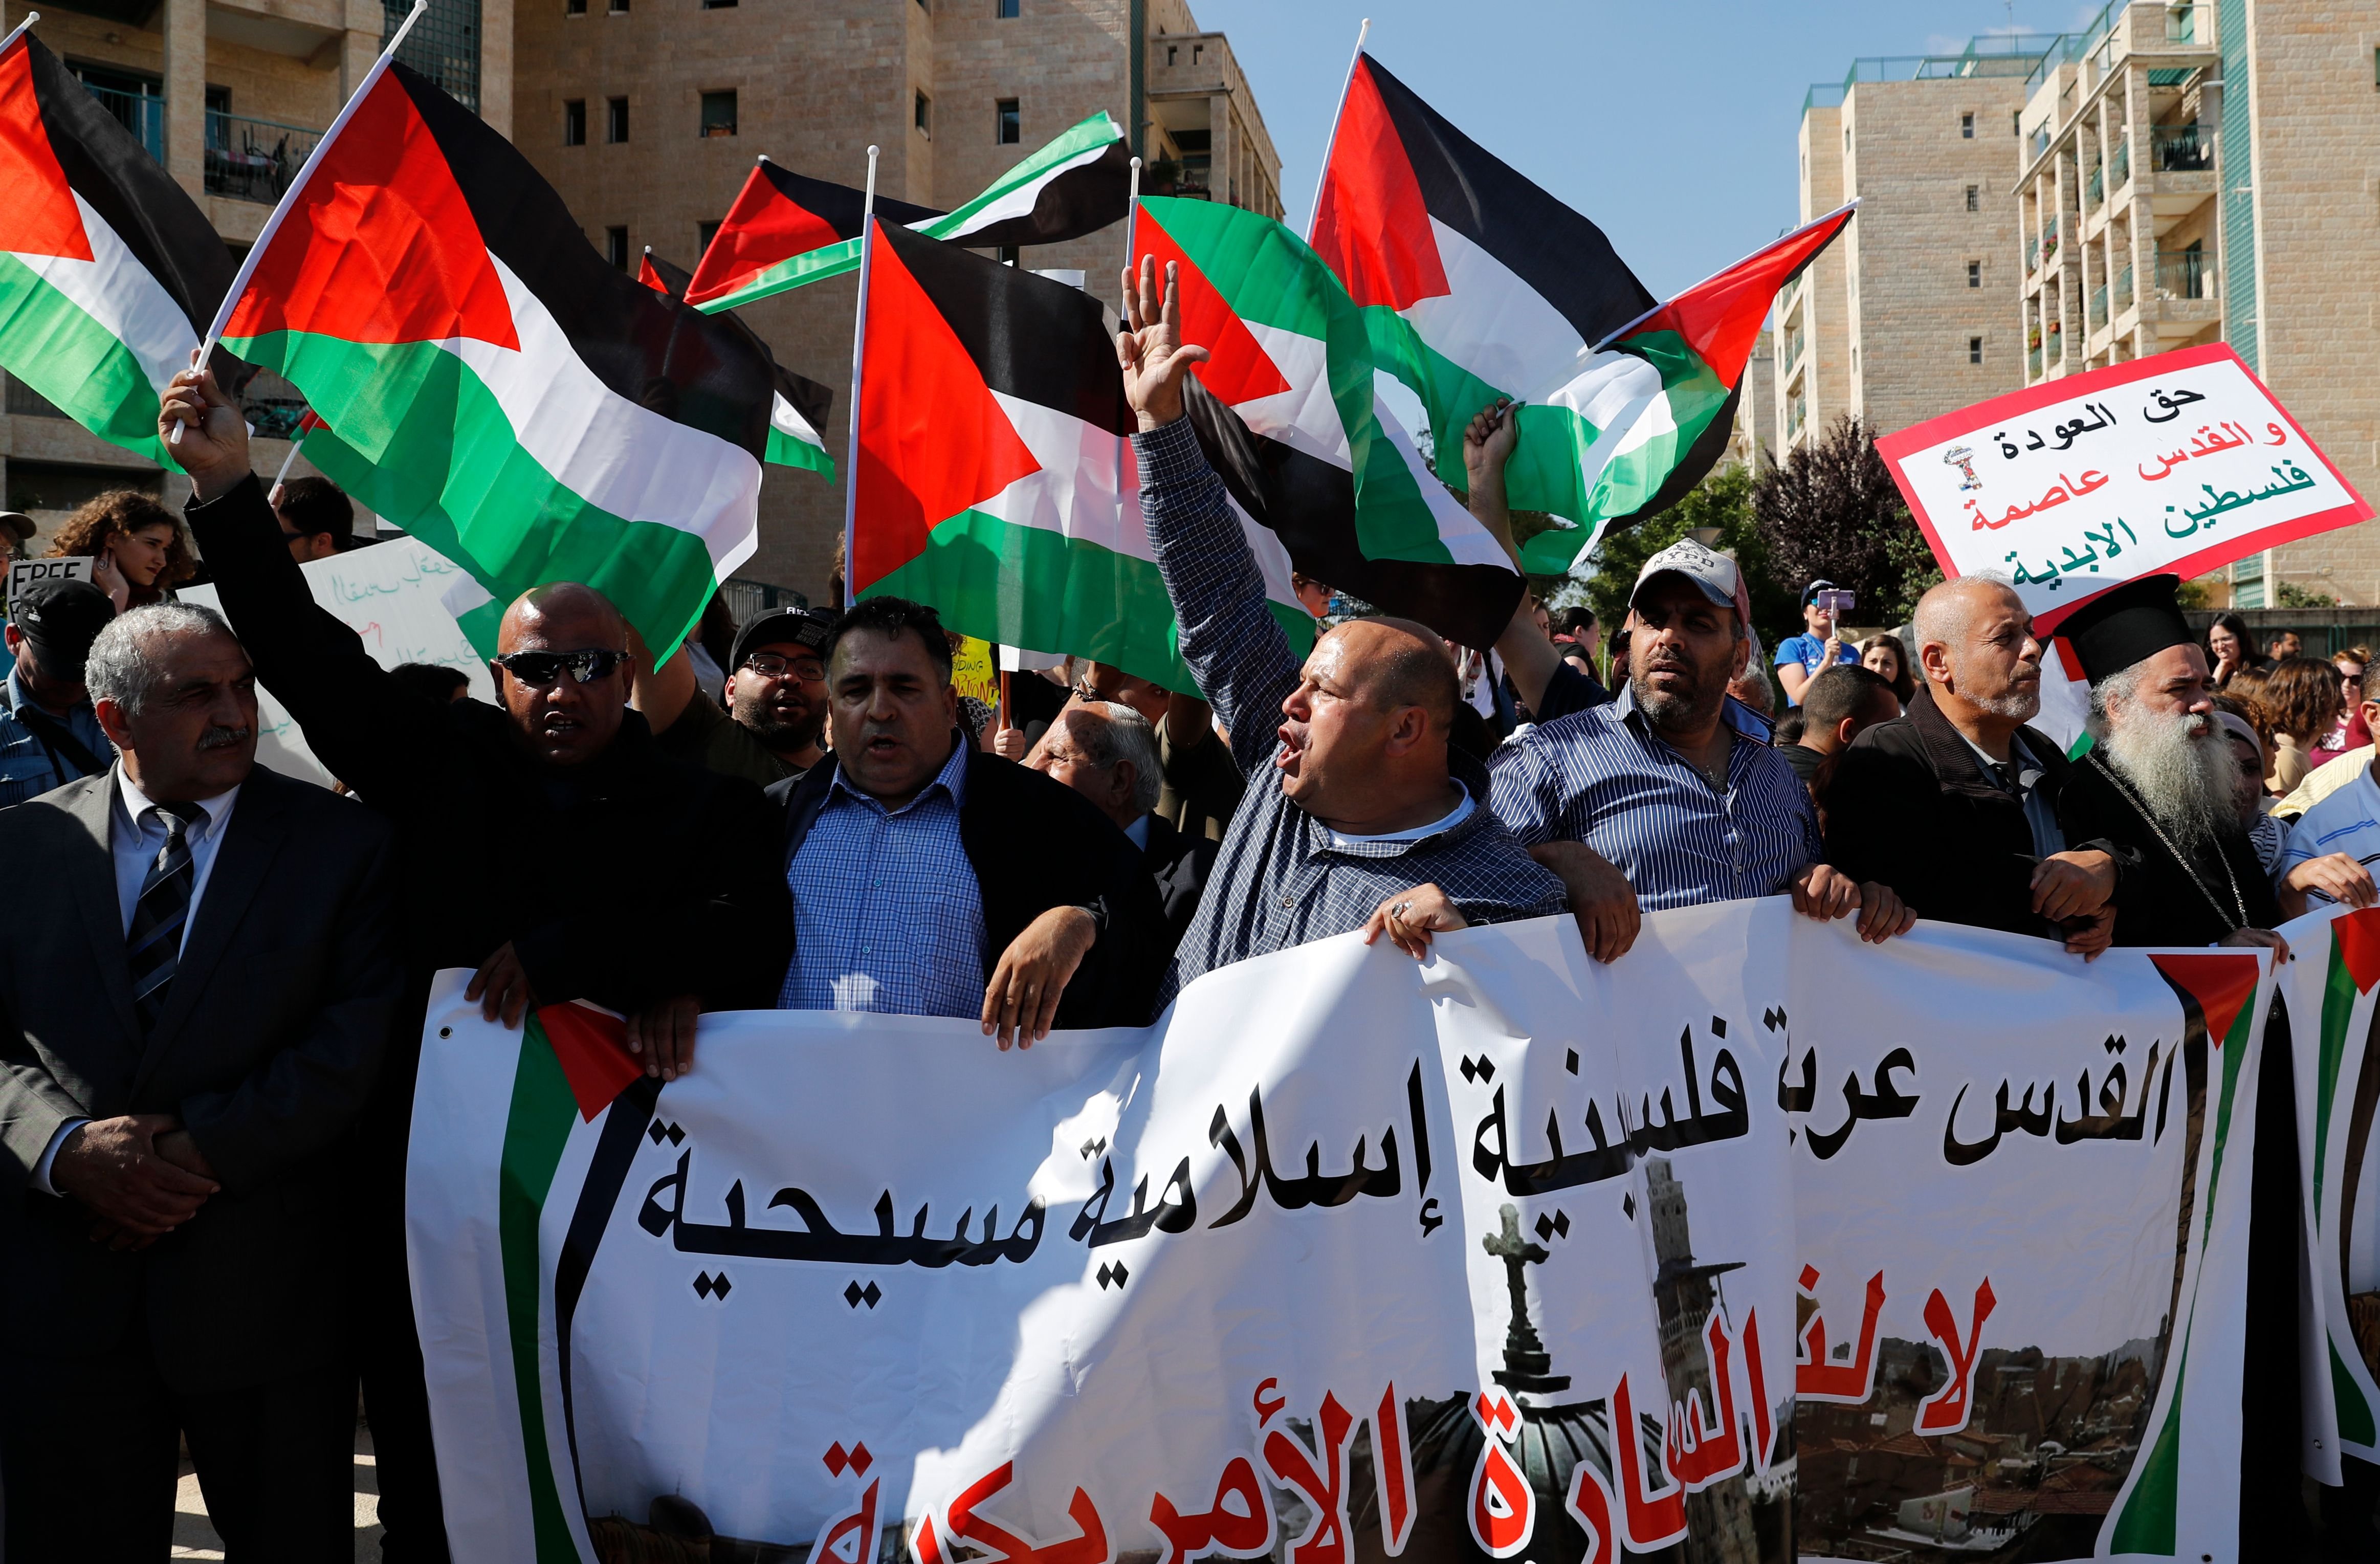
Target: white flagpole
{"points": [[18, 31], [1132, 218], [273, 495], [1338, 114], [297, 188], [858, 350]]}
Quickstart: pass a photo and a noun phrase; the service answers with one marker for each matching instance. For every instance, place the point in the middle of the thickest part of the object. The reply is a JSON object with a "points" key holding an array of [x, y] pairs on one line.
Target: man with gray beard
{"points": [[2158, 783]]}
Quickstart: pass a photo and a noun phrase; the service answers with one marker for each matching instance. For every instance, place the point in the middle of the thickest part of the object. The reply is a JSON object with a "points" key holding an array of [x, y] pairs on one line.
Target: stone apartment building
{"points": [[2193, 172], [646, 115], [1911, 312]]}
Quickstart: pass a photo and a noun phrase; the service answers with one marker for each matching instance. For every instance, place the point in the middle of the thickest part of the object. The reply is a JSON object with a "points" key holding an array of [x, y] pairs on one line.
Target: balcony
{"points": [[254, 160], [2183, 275], [2094, 189], [1793, 341], [2183, 149], [2049, 245], [2123, 163], [2032, 364], [2123, 290], [2182, 25], [2098, 307], [143, 114]]}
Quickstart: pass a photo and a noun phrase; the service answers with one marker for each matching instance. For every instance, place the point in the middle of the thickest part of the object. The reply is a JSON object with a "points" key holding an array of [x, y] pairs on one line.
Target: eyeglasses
{"points": [[770, 665], [541, 668]]}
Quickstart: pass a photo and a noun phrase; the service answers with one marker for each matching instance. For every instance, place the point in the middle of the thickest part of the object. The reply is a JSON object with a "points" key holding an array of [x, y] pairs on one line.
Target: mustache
{"points": [[226, 738]]}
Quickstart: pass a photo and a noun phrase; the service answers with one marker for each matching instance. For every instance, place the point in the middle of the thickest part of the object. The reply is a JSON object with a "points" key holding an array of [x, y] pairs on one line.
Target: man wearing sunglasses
{"points": [[775, 727], [544, 843]]}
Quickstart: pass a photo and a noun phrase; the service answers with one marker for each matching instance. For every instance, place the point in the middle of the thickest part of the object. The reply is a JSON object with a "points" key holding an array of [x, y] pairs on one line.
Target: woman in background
{"points": [[2302, 702], [135, 544], [1885, 657], [2230, 649]]}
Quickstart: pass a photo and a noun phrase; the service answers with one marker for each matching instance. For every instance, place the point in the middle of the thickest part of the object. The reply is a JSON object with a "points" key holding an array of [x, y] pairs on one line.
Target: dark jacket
{"points": [[1911, 807], [625, 881], [1036, 844], [268, 1046], [2163, 902], [1179, 866]]}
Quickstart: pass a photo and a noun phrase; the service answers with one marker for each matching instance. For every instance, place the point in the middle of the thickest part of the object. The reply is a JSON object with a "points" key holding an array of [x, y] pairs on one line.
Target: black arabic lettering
{"points": [[818, 1242], [1317, 1188], [1885, 1102]]}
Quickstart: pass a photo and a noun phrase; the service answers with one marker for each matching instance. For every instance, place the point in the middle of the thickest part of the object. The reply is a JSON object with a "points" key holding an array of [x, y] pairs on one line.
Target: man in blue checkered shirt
{"points": [[1356, 815]]}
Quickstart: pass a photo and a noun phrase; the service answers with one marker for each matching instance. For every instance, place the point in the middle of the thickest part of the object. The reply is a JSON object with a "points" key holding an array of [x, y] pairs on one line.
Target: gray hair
{"points": [[123, 663], [1125, 735], [2116, 689]]}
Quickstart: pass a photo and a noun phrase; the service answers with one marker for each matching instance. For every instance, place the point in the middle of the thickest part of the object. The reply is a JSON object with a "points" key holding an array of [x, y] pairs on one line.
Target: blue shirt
{"points": [[30, 765], [1810, 651], [887, 913], [1605, 778]]}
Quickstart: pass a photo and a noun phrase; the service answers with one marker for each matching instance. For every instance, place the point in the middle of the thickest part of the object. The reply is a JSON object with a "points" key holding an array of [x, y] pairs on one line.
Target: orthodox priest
{"points": [[2160, 778]]}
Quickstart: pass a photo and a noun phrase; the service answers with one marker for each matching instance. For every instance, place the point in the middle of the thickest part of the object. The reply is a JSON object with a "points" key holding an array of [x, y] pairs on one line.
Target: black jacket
{"points": [[625, 881], [1911, 807], [1179, 866], [2165, 903], [1036, 844]]}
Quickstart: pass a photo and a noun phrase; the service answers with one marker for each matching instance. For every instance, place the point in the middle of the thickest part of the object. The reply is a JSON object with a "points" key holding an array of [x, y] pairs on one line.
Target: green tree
{"points": [[1831, 510], [1723, 500]]}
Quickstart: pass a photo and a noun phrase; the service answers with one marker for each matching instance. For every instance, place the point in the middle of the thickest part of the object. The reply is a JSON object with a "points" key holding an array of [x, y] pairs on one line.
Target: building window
{"points": [[1174, 54], [1974, 350], [925, 115], [573, 7], [1975, 198], [2016, 124], [615, 247], [1967, 127], [717, 5], [1974, 273], [619, 7], [1008, 126], [574, 122], [1004, 10], [615, 120], [718, 114], [703, 233]]}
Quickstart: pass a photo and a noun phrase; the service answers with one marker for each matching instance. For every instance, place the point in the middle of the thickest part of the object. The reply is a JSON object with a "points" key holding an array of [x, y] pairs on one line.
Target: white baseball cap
{"points": [[1716, 574]]}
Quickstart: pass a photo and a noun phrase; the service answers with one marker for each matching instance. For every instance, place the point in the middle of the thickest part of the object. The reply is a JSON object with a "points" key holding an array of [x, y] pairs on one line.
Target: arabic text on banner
{"points": [[2182, 462], [1508, 1255]]}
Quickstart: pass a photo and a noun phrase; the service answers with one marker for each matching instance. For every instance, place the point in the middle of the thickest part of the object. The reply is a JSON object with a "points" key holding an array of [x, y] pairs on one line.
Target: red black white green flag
{"points": [[108, 270], [786, 229], [489, 383], [995, 479], [797, 411], [1475, 284]]}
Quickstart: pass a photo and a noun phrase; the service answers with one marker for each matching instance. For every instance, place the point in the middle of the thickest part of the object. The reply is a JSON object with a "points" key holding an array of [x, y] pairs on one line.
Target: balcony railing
{"points": [[2049, 244], [2094, 189], [1793, 340], [143, 114], [2032, 364], [2182, 150], [2182, 25], [2123, 162], [2123, 290], [2099, 305], [2185, 274], [254, 160]]}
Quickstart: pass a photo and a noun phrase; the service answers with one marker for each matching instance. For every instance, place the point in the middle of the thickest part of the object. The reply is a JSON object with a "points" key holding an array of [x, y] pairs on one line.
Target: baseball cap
{"points": [[1810, 593], [802, 626], [62, 618], [1714, 572], [18, 522]]}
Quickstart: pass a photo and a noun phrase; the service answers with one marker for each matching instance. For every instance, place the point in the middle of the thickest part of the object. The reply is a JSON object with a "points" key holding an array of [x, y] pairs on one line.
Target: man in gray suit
{"points": [[185, 1039]]}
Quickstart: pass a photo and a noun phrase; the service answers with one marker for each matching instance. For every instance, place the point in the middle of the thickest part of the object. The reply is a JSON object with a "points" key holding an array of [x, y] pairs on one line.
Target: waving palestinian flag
{"points": [[1292, 419], [995, 479], [490, 384], [786, 229], [799, 407], [1475, 284], [108, 270]]}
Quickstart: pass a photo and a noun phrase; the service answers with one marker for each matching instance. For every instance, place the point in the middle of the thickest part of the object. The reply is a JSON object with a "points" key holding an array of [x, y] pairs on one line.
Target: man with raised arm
{"points": [[1356, 815]]}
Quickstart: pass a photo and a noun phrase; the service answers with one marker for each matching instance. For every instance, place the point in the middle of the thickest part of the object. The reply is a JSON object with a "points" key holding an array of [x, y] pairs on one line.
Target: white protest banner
{"points": [[2333, 990], [1506, 1255], [2179, 462], [23, 572], [389, 594]]}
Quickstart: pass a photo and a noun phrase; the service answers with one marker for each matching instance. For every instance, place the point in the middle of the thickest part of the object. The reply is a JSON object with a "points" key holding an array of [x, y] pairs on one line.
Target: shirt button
{"points": [[1287, 900]]}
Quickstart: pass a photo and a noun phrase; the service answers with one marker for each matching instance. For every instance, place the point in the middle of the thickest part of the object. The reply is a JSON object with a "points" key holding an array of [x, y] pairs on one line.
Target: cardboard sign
{"points": [[2182, 462], [23, 572]]}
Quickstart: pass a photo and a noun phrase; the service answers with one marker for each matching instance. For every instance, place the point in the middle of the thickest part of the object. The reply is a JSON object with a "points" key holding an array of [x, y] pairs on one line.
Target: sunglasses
{"points": [[541, 668]]}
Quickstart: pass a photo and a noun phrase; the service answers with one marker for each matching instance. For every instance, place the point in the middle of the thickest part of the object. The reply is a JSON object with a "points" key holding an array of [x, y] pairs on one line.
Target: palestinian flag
{"points": [[1475, 284], [799, 407], [786, 229], [1289, 412], [489, 383], [108, 270], [995, 481]]}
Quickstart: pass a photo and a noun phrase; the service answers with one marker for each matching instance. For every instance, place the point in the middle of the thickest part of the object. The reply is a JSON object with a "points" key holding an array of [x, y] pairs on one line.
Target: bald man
{"points": [[1955, 803], [1355, 816], [545, 843]]}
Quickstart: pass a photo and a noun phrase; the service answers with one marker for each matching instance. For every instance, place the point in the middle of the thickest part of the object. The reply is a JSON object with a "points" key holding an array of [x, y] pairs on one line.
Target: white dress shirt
{"points": [[135, 837]]}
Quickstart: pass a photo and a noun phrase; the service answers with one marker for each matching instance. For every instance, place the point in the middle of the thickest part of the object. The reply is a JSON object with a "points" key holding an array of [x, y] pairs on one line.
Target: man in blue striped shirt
{"points": [[1670, 797]]}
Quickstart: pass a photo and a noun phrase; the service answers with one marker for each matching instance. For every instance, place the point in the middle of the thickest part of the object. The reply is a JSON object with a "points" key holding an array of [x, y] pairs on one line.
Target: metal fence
{"points": [[255, 160]]}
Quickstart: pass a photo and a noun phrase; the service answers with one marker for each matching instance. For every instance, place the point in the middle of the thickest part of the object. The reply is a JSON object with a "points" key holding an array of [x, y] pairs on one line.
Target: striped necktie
{"points": [[154, 942]]}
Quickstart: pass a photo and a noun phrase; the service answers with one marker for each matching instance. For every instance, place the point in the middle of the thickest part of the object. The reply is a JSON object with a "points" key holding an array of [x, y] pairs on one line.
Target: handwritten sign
{"points": [[389, 593], [23, 572], [973, 672], [2182, 462]]}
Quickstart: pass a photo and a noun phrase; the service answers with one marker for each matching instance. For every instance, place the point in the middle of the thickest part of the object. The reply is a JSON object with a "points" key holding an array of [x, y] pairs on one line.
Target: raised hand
{"points": [[1150, 347], [213, 444]]}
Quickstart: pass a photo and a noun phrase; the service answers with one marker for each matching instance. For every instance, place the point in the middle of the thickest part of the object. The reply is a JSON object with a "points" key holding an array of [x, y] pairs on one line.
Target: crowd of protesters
{"points": [[210, 1049]]}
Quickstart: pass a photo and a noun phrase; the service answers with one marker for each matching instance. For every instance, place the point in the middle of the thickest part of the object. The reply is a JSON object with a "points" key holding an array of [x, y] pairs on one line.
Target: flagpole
{"points": [[858, 349], [1314, 218], [18, 31], [1132, 218], [297, 188], [297, 443]]}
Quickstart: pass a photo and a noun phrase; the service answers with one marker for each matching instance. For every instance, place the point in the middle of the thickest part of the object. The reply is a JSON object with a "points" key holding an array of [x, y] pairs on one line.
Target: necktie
{"points": [[154, 942]]}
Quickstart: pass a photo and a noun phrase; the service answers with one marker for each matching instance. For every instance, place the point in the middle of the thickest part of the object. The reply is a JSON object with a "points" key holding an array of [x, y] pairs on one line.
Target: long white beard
{"points": [[2182, 770]]}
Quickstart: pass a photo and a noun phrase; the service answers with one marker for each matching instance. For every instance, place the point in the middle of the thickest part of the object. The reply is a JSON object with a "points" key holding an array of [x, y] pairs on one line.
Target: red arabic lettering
{"points": [[1243, 1533], [1319, 1477], [1589, 1503], [1821, 1380], [1088, 1545], [1392, 1467], [1764, 1427], [1502, 1508], [1653, 1520], [1946, 1410], [1696, 1454], [859, 1525]]}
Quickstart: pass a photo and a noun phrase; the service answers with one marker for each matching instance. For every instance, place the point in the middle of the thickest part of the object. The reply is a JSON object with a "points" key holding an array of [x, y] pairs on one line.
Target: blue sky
{"points": [[1671, 124]]}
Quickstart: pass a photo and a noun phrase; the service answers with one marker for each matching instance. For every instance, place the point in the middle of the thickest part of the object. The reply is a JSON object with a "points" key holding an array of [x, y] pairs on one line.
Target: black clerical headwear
{"points": [[2118, 628]]}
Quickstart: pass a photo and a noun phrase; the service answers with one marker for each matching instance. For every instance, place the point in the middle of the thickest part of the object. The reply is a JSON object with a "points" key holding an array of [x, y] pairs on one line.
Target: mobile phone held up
{"points": [[1834, 602]]}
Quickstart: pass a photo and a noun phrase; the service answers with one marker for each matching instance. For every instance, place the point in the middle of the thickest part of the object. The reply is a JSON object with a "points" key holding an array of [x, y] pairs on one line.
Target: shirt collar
{"points": [[950, 778], [1138, 833], [2029, 769], [135, 801]]}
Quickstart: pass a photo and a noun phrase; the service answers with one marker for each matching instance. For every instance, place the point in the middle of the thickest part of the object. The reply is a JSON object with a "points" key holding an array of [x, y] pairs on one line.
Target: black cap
{"points": [[2118, 628], [62, 618], [802, 626], [1810, 593]]}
